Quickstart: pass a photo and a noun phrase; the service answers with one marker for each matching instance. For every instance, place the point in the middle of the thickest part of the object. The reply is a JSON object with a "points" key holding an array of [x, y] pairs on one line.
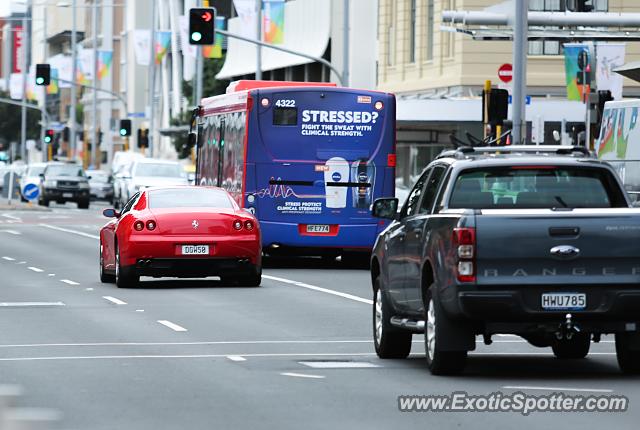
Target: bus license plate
{"points": [[317, 228], [559, 301], [195, 249]]}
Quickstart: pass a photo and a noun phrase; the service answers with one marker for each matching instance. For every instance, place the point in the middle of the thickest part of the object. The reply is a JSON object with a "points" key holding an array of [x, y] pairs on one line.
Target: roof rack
{"points": [[461, 152]]}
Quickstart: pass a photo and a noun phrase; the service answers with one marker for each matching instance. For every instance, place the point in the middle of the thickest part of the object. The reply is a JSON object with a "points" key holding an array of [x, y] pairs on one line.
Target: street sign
{"points": [[505, 73], [527, 100], [136, 115], [31, 192]]}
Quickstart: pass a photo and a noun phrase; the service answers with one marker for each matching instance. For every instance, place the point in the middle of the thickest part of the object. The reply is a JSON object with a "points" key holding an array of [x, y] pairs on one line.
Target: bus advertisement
{"points": [[308, 159]]}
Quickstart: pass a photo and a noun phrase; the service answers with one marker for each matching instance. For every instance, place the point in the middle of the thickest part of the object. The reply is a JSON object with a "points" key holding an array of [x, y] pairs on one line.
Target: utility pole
{"points": [[94, 119], [44, 122], [152, 78], [74, 73], [520, 29], [259, 37], [199, 65], [24, 66], [345, 58]]}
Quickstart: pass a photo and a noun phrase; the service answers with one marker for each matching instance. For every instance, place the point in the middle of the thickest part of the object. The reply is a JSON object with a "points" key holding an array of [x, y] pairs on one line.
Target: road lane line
{"points": [[230, 342], [111, 357], [172, 326], [303, 375], [319, 289], [13, 232], [68, 282], [8, 258], [114, 300], [236, 358], [66, 230], [15, 218], [29, 304], [35, 269], [339, 364], [549, 354], [51, 274], [578, 390]]}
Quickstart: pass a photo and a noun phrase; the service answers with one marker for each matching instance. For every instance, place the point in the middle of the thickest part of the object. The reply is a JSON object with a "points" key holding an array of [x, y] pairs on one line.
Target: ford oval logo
{"points": [[564, 252]]}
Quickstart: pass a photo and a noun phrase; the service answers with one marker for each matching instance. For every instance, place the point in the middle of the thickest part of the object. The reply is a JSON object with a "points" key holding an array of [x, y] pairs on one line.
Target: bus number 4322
{"points": [[285, 103]]}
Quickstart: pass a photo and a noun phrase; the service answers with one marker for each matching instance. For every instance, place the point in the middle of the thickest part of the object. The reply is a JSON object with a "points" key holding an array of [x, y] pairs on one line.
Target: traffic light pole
{"points": [[24, 66], [91, 87], [288, 51]]}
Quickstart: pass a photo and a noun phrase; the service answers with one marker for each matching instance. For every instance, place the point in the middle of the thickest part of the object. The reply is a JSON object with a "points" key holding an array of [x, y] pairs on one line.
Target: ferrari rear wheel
{"points": [[105, 277], [125, 276]]}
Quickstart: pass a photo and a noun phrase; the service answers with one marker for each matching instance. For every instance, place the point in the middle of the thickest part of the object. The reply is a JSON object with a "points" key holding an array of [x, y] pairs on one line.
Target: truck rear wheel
{"points": [[439, 362], [389, 341], [628, 353], [574, 348]]}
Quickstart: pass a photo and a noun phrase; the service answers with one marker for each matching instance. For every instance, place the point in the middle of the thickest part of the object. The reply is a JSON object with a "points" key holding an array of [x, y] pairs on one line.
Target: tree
{"points": [[11, 119]]}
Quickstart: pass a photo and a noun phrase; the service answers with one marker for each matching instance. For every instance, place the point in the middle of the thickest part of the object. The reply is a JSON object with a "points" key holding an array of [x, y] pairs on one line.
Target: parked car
{"points": [[64, 182], [149, 172], [540, 246], [181, 232], [100, 185]]}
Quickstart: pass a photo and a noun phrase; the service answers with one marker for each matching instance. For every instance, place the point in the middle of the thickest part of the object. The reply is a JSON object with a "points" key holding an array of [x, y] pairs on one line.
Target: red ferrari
{"points": [[185, 232]]}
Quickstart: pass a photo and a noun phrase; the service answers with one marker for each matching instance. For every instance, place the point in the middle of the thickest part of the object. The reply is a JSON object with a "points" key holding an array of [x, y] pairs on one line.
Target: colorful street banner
{"points": [[63, 65], [273, 21], [246, 10], [84, 66], [53, 87], [572, 52], [215, 50], [141, 46], [105, 58], [163, 40], [608, 57]]}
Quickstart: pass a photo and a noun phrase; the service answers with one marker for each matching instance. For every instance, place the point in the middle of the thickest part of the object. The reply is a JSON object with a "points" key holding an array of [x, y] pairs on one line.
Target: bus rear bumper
{"points": [[346, 236]]}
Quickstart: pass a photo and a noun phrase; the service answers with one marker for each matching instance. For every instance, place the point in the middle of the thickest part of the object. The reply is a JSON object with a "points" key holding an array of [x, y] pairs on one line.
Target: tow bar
{"points": [[567, 329]]}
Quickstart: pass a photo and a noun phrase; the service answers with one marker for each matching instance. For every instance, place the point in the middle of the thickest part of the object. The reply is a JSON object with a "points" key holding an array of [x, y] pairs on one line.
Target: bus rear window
{"points": [[285, 116]]}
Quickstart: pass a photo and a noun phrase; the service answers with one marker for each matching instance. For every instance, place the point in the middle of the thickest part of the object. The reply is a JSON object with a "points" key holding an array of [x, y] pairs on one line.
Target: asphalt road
{"points": [[294, 353]]}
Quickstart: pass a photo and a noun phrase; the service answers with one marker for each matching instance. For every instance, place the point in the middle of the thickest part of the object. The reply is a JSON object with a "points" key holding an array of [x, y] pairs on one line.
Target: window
{"points": [[285, 116], [411, 205], [523, 187], [448, 39], [412, 32], [159, 170], [129, 204], [433, 184], [429, 38], [199, 197]]}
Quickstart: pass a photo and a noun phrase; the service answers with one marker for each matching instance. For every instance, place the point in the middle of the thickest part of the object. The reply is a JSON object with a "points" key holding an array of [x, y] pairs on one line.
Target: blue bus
{"points": [[307, 159]]}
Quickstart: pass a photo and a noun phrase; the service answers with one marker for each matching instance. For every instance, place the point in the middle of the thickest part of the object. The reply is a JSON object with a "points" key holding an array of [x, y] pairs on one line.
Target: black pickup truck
{"points": [[541, 242]]}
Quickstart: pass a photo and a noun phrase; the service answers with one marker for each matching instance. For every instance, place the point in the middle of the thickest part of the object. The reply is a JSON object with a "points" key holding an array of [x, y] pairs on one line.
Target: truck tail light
{"points": [[464, 241]]}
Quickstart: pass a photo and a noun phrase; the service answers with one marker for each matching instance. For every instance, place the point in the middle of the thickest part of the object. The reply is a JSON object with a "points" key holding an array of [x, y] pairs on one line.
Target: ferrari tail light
{"points": [[151, 225], [237, 224], [138, 226], [464, 242], [248, 225]]}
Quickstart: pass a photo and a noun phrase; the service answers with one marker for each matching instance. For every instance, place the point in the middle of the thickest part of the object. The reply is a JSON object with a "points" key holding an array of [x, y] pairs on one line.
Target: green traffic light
{"points": [[196, 36], [39, 80], [123, 132], [47, 139]]}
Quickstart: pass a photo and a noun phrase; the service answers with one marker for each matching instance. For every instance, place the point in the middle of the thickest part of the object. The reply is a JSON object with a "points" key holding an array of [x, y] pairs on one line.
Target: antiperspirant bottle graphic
{"points": [[363, 173], [336, 174]]}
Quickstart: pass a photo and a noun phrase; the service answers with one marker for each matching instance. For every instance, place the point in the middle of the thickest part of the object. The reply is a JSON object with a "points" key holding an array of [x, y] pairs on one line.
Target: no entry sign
{"points": [[505, 73]]}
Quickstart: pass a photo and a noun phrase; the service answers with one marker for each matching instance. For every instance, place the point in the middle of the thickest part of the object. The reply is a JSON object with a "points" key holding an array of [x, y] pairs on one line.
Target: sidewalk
{"points": [[17, 205]]}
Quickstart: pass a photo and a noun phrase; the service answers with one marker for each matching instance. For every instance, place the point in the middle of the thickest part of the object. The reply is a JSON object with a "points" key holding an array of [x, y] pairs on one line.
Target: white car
{"points": [[150, 172]]}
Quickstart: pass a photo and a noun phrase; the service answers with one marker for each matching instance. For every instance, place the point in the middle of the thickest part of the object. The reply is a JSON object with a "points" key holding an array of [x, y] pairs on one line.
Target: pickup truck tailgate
{"points": [[547, 247]]}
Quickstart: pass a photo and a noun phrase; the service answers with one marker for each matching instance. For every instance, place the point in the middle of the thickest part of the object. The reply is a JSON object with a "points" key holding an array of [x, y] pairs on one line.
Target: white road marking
{"points": [[15, 218], [88, 289], [13, 232], [51, 274], [68, 282], [8, 258], [303, 375], [139, 310], [231, 342], [579, 390], [108, 357], [35, 269], [320, 289], [339, 364], [172, 326], [29, 304], [66, 230], [114, 300], [550, 354], [236, 358]]}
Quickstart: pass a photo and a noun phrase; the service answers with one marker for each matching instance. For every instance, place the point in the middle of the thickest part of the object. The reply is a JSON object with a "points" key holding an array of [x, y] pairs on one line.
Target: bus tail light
{"points": [[391, 160], [464, 243]]}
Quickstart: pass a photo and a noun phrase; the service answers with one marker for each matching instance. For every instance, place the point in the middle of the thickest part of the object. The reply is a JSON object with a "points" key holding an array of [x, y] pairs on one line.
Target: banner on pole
{"points": [[273, 21], [15, 86], [246, 10], [163, 40], [572, 65], [608, 57], [105, 58], [141, 46], [215, 50], [53, 87]]}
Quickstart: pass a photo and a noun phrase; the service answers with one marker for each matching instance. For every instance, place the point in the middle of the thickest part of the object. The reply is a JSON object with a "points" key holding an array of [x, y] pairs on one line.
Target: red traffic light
{"points": [[207, 16]]}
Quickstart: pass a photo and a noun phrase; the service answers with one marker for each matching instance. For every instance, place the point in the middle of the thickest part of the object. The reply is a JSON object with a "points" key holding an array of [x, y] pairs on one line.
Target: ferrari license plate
{"points": [[195, 249], [560, 301], [317, 228]]}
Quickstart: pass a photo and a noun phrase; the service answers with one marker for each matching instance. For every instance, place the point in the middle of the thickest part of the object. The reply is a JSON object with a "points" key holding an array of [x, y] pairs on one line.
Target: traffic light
{"points": [[202, 26], [498, 106], [48, 136], [43, 74], [143, 138], [125, 127]]}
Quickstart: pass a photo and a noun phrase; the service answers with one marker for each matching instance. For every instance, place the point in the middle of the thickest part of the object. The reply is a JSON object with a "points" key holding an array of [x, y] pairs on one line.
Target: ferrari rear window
{"points": [[196, 197]]}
